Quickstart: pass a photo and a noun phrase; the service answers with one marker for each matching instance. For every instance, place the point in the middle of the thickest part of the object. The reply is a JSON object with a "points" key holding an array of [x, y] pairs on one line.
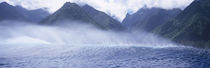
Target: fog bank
{"points": [[22, 38]]}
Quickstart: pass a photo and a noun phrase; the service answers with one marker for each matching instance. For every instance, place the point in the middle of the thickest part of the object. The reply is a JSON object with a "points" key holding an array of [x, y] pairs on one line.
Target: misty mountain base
{"points": [[188, 27], [66, 46]]}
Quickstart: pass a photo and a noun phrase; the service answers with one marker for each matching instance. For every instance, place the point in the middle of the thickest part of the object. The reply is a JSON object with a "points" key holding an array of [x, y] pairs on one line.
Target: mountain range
{"points": [[148, 19], [9, 12], [188, 27]]}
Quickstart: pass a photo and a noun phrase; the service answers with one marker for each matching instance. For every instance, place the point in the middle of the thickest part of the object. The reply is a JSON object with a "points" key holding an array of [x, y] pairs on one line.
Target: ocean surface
{"points": [[103, 57]]}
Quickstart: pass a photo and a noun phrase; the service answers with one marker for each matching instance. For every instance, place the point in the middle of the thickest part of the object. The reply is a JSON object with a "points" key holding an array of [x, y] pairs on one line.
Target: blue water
{"points": [[112, 57]]}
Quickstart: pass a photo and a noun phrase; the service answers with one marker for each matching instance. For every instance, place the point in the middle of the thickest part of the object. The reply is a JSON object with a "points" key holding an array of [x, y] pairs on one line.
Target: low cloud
{"points": [[21, 39], [74, 33]]}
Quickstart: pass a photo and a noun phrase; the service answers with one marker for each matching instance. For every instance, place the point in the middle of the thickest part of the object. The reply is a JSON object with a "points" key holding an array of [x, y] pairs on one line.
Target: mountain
{"points": [[149, 18], [103, 19], [69, 11], [85, 14], [9, 12], [191, 26], [33, 15]]}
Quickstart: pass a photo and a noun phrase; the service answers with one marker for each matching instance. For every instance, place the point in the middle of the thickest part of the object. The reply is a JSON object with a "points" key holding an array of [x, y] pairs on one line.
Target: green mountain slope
{"points": [[190, 27]]}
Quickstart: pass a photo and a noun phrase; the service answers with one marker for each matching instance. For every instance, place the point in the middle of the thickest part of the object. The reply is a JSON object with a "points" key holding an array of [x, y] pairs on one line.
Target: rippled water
{"points": [[107, 57]]}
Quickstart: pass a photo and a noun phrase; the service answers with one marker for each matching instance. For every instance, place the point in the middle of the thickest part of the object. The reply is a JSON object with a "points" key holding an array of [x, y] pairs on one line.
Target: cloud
{"points": [[115, 8]]}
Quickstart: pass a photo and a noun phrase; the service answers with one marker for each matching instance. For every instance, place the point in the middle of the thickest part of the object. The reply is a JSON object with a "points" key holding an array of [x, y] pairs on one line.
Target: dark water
{"points": [[111, 57]]}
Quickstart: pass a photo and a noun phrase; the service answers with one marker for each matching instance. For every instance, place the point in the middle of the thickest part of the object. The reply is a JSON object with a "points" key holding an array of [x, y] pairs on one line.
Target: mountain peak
{"points": [[83, 14], [4, 3], [69, 4], [87, 6], [69, 11]]}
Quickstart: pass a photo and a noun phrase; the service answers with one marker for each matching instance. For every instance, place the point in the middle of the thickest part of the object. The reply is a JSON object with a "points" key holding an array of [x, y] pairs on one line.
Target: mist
{"points": [[18, 37]]}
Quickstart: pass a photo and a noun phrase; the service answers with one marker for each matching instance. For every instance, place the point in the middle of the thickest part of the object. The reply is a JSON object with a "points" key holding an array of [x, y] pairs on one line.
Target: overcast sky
{"points": [[115, 8]]}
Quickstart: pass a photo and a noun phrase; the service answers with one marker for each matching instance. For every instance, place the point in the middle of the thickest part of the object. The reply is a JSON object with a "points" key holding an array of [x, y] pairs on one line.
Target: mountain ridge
{"points": [[9, 12], [74, 12], [148, 19]]}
